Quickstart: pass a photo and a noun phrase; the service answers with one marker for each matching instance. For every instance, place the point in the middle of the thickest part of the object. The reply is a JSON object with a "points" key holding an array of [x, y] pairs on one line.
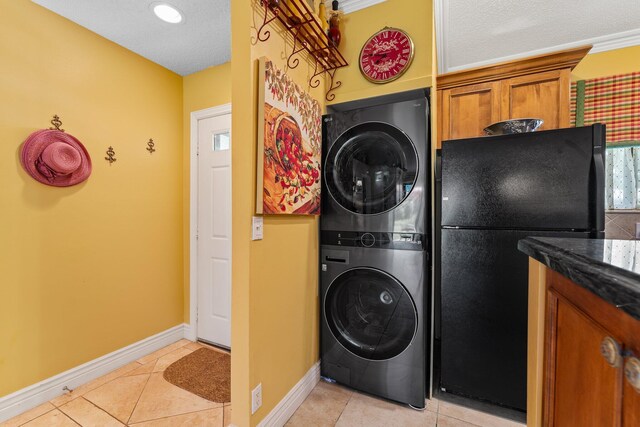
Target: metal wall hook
{"points": [[56, 122], [110, 155], [150, 144]]}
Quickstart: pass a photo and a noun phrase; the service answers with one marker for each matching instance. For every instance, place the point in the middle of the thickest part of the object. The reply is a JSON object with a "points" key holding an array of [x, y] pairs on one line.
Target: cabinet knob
{"points": [[632, 372], [610, 350]]}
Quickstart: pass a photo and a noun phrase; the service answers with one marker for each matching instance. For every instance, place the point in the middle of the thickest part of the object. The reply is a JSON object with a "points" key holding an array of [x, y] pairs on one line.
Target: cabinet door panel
{"points": [[468, 110], [630, 406], [583, 379], [542, 95]]}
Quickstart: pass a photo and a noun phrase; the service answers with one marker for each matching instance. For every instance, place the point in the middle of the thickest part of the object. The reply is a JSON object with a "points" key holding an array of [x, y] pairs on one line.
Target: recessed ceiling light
{"points": [[167, 13]]}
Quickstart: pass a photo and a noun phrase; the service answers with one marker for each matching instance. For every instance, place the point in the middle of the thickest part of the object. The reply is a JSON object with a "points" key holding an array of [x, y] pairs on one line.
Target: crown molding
{"points": [[600, 44], [556, 60], [439, 12], [349, 6], [615, 41]]}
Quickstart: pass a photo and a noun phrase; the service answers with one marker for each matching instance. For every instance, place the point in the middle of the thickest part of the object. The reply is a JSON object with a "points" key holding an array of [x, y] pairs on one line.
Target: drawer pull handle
{"points": [[610, 350], [632, 372]]}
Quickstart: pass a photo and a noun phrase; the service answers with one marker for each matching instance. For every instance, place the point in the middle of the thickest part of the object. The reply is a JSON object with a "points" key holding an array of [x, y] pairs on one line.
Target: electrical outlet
{"points": [[256, 398]]}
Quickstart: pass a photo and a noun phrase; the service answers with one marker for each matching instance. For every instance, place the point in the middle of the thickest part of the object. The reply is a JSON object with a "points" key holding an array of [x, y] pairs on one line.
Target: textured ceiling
{"points": [[480, 32], [201, 40]]}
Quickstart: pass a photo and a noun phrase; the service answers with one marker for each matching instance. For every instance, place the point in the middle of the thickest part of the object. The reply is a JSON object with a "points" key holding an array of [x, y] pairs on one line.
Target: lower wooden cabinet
{"points": [[580, 376], [630, 405], [588, 344]]}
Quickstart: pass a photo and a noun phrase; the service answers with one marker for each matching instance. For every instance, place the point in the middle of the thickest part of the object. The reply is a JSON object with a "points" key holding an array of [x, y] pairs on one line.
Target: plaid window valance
{"points": [[613, 100]]}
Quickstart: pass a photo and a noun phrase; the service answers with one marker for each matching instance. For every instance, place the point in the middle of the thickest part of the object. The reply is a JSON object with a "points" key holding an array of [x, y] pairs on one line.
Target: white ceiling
{"points": [[473, 33], [201, 40], [470, 33]]}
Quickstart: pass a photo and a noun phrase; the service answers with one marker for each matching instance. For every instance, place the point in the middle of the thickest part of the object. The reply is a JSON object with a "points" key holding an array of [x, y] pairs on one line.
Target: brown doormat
{"points": [[205, 372]]}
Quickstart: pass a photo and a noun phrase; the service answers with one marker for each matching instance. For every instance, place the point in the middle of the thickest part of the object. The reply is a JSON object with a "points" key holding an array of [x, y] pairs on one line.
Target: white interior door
{"points": [[214, 230]]}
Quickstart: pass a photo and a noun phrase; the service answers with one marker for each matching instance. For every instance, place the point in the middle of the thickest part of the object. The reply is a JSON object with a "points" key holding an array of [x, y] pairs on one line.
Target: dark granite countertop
{"points": [[608, 268]]}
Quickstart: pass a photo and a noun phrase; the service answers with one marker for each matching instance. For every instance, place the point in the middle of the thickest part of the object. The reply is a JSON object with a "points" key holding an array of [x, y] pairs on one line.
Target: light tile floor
{"points": [[333, 405], [134, 395], [137, 395]]}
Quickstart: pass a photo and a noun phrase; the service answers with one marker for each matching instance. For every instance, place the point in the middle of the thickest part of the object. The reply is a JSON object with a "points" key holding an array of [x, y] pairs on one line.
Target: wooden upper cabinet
{"points": [[537, 87], [467, 109], [542, 96]]}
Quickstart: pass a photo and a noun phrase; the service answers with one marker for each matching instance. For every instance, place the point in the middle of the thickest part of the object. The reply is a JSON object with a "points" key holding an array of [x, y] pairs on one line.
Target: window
{"points": [[622, 185], [221, 141], [614, 101]]}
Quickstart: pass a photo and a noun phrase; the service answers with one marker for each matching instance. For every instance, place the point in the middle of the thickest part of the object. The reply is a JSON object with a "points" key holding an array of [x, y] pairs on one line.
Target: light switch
{"points": [[256, 228]]}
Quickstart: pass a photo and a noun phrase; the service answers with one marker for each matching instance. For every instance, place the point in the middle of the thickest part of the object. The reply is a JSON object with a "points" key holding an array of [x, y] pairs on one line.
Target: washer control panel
{"points": [[366, 239]]}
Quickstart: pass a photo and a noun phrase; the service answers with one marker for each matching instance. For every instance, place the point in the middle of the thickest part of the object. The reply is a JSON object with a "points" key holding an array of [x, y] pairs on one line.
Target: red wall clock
{"points": [[386, 55]]}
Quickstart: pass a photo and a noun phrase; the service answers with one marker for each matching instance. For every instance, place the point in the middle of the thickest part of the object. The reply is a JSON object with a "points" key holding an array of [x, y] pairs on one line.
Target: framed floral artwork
{"points": [[289, 145]]}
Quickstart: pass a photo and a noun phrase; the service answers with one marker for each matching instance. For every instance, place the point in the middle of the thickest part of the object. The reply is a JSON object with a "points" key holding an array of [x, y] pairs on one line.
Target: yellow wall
{"points": [[79, 260], [243, 166], [284, 279], [619, 61], [275, 300], [413, 16], [275, 316], [207, 88], [88, 269]]}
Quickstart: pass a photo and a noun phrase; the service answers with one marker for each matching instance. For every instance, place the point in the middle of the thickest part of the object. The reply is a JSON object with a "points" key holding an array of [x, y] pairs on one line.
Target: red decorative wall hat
{"points": [[55, 158]]}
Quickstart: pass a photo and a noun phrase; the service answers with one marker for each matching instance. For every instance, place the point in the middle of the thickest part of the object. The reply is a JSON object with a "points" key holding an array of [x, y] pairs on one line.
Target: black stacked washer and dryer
{"points": [[375, 283]]}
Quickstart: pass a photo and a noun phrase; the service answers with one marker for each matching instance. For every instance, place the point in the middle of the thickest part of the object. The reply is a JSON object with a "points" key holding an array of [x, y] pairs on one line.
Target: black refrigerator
{"points": [[492, 192]]}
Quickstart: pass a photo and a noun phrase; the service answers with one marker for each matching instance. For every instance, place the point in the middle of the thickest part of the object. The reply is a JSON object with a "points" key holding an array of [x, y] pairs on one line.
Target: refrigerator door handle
{"points": [[599, 154]]}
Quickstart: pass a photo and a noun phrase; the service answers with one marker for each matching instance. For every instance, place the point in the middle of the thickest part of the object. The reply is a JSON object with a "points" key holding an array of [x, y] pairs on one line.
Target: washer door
{"points": [[370, 313], [371, 168]]}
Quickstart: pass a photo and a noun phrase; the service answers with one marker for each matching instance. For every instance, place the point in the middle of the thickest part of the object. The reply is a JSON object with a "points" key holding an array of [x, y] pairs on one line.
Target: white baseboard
{"points": [[288, 405], [190, 332], [37, 394]]}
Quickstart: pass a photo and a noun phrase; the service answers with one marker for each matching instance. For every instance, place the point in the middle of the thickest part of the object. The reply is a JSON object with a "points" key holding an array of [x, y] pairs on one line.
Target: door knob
{"points": [[610, 350], [632, 372]]}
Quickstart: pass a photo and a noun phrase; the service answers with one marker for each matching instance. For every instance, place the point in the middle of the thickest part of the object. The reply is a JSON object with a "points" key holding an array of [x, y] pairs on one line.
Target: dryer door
{"points": [[370, 313], [371, 168]]}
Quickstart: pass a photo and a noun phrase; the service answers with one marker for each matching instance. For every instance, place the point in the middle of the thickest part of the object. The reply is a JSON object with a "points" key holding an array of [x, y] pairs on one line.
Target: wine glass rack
{"points": [[298, 19]]}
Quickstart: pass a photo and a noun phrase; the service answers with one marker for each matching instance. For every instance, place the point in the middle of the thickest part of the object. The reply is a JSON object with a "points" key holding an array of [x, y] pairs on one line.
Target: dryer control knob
{"points": [[367, 240]]}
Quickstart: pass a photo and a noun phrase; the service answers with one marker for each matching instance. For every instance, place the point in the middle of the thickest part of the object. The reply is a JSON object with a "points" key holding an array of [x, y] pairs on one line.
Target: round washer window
{"points": [[371, 168], [370, 313]]}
